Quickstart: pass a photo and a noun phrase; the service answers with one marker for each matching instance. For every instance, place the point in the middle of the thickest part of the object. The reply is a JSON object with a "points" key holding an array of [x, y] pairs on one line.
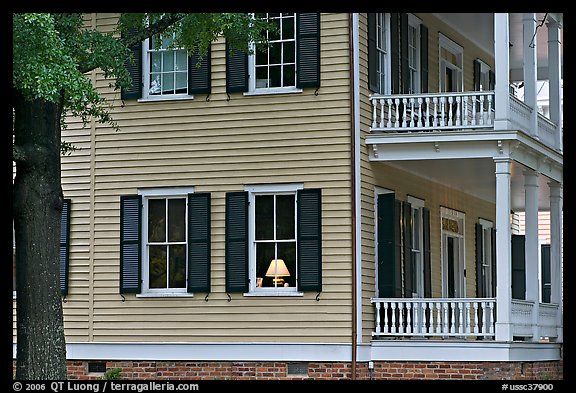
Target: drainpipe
{"points": [[355, 180]]}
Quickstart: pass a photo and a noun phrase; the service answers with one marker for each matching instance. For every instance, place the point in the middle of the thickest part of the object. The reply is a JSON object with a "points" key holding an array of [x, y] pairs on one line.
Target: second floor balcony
{"points": [[469, 110]]}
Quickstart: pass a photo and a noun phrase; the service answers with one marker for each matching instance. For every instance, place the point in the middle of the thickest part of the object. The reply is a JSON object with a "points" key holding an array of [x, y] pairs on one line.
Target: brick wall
{"points": [[181, 370]]}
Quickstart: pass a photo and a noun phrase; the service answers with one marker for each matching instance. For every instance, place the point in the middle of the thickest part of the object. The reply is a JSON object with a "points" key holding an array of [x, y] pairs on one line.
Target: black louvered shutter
{"points": [[236, 252], [199, 77], [409, 283], [395, 52], [236, 70], [480, 262], [372, 53], [308, 49], [427, 259], [493, 261], [398, 248], [309, 238], [491, 80], [130, 241], [546, 273], [423, 58], [519, 267], [404, 67], [386, 246], [134, 68], [64, 246], [199, 242], [477, 70]]}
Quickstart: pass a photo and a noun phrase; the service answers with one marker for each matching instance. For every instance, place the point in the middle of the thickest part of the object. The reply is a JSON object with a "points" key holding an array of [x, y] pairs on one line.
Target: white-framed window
{"points": [[165, 71], [417, 245], [272, 69], [273, 239], [484, 75], [383, 69], [164, 241], [413, 54], [452, 250], [451, 57], [487, 263]]}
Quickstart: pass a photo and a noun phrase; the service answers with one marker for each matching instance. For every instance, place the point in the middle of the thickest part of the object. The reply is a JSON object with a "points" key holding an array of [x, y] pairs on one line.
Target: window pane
{"points": [[166, 40], [276, 53], [177, 220], [181, 82], [289, 78], [287, 252], [168, 61], [261, 55], [264, 217], [155, 83], [285, 217], [289, 52], [156, 220], [261, 77], [181, 60], [168, 83], [287, 28], [264, 255], [177, 266], [275, 76], [155, 62], [157, 266]]}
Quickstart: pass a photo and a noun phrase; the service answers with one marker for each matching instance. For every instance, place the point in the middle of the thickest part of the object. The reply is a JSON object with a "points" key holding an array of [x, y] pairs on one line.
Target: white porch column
{"points": [[502, 71], [532, 249], [503, 251], [556, 250], [554, 74], [530, 70]]}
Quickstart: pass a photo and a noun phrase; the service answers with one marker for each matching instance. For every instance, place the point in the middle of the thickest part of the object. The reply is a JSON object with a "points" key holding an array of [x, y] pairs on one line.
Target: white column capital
{"points": [[555, 189]]}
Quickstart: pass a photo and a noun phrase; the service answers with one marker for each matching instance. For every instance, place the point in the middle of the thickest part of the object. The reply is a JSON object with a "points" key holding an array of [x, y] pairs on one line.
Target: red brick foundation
{"points": [[139, 370]]}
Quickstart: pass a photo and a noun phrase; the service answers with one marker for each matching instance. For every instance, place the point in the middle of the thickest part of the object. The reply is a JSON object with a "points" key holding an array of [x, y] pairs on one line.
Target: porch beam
{"points": [[554, 77], [556, 251], [532, 247], [502, 70], [503, 252], [530, 70]]}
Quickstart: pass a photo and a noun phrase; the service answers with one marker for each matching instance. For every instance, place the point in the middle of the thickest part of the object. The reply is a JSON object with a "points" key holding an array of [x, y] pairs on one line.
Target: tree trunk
{"points": [[37, 206]]}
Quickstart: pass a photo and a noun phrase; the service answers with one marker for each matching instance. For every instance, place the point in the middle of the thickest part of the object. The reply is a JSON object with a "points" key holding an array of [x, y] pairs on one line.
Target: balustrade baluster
{"points": [[381, 113], [378, 318], [409, 329], [435, 114], [489, 118], [444, 311], [484, 317], [465, 116], [450, 111], [460, 318], [393, 307], [474, 98], [442, 109], [482, 110], [397, 119], [401, 309], [458, 110], [427, 119], [476, 317], [403, 113], [386, 327], [419, 120], [374, 105], [492, 317], [468, 318], [389, 124]]}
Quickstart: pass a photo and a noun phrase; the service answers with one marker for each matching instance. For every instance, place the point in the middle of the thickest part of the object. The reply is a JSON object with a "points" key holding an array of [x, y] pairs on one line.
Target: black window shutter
{"points": [[199, 242], [236, 252], [408, 256], [477, 68], [236, 70], [518, 267], [386, 246], [479, 261], [395, 52], [64, 246], [308, 49], [404, 51], [493, 261], [199, 77], [372, 53], [130, 241], [423, 58], [309, 238], [398, 248], [491, 80], [546, 273], [427, 260], [135, 70]]}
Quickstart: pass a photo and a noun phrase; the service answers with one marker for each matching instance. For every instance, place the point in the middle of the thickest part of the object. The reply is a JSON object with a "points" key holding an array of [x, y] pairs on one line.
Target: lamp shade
{"points": [[277, 268]]}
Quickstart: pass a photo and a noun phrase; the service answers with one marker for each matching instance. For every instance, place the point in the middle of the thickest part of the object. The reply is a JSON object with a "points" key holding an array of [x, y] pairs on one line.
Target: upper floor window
{"points": [[413, 54], [383, 52], [451, 65], [166, 70], [483, 76]]}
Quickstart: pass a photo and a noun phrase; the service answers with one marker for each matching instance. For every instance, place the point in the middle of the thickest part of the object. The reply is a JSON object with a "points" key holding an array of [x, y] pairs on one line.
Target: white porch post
{"points": [[502, 71], [530, 70], [503, 251], [554, 73], [532, 249], [556, 251]]}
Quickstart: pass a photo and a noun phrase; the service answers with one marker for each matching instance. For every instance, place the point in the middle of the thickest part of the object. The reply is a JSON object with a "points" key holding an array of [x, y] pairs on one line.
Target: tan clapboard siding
{"points": [[217, 146], [403, 183]]}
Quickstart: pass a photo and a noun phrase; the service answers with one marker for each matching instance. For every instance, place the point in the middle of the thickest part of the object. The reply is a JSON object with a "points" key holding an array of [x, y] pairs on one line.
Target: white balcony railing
{"points": [[522, 318], [434, 317]]}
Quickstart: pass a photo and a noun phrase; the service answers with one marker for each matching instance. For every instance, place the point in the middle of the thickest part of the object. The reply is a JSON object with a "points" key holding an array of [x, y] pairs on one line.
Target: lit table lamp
{"points": [[277, 269]]}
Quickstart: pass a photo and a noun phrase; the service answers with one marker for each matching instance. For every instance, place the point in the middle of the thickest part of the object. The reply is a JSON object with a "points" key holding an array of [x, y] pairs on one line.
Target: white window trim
{"points": [[163, 192], [457, 50], [146, 81], [387, 89], [418, 204], [415, 22], [484, 72], [446, 212], [252, 191], [486, 224]]}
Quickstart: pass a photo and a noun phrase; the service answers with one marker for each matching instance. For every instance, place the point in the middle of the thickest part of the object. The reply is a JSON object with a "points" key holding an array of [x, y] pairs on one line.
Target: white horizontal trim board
{"points": [[384, 350]]}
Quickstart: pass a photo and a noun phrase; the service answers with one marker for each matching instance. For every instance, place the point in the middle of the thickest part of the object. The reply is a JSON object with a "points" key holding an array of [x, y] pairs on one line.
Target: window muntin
{"points": [[274, 67], [382, 48], [165, 234], [167, 69], [275, 238]]}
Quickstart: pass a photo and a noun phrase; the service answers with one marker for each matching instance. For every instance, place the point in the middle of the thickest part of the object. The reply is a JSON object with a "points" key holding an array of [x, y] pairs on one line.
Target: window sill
{"points": [[166, 98], [163, 295], [261, 92], [274, 294]]}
